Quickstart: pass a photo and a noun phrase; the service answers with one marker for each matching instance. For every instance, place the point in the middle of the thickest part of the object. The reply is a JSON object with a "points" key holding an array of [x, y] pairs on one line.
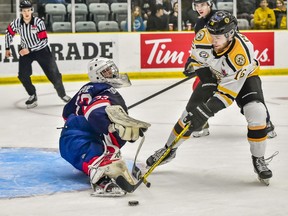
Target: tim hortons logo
{"points": [[161, 54], [263, 56], [166, 53]]}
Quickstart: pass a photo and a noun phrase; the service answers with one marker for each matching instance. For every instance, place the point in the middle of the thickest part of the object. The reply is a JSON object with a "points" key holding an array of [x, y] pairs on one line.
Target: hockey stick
{"points": [[163, 90], [136, 172], [126, 186]]}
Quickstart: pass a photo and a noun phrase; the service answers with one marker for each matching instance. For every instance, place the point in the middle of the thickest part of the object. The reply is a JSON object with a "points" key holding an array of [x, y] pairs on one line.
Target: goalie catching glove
{"points": [[128, 128], [198, 117], [126, 132]]}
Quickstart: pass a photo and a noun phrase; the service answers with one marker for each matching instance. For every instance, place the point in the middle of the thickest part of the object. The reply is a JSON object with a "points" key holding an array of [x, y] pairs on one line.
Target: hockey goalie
{"points": [[97, 126]]}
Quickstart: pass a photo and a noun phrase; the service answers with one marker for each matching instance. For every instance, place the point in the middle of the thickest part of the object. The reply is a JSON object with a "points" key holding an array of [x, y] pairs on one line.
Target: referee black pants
{"points": [[47, 63]]}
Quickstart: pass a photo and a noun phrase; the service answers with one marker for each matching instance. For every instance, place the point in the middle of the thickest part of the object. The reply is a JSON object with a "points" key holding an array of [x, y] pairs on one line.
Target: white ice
{"points": [[209, 176]]}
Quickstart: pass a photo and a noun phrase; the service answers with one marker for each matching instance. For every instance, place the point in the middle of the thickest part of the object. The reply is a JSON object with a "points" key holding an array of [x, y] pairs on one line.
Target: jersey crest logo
{"points": [[200, 35], [240, 60], [203, 54]]}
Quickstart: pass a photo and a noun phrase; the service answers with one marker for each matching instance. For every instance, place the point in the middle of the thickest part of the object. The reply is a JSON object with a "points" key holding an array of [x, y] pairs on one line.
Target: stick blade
{"points": [[124, 184]]}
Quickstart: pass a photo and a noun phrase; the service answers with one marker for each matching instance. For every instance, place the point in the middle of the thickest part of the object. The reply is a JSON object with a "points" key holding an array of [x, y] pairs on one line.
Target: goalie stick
{"points": [[136, 172], [126, 186]]}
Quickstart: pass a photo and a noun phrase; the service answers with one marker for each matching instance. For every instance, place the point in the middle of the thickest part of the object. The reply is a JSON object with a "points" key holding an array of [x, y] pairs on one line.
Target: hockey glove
{"points": [[126, 133], [189, 69], [198, 117]]}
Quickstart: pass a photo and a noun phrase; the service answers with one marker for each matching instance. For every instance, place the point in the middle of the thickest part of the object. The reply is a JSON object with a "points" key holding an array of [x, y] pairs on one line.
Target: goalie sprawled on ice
{"points": [[97, 126]]}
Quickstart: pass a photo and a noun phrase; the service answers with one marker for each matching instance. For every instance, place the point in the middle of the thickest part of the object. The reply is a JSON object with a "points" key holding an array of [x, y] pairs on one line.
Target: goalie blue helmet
{"points": [[103, 70]]}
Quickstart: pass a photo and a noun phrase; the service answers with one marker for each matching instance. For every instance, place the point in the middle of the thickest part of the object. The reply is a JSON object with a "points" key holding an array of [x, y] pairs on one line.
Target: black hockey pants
{"points": [[47, 63]]}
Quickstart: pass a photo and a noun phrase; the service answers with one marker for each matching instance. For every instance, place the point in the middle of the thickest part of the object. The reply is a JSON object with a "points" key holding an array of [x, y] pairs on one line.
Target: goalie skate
{"points": [[107, 187]]}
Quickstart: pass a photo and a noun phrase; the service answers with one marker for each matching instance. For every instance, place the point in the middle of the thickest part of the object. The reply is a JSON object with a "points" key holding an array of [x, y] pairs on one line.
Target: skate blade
{"points": [[30, 106], [96, 194], [264, 181]]}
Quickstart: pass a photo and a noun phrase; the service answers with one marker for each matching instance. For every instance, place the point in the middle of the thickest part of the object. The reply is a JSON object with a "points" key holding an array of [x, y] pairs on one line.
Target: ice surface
{"points": [[210, 176]]}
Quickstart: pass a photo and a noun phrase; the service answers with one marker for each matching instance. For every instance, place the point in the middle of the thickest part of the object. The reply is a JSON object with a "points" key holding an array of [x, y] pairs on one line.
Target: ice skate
{"points": [[66, 98], [270, 130], [32, 101], [261, 169], [155, 157], [107, 187], [203, 132]]}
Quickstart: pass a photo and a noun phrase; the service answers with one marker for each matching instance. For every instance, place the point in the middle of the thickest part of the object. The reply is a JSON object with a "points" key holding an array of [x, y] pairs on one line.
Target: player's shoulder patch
{"points": [[240, 59], [200, 35]]}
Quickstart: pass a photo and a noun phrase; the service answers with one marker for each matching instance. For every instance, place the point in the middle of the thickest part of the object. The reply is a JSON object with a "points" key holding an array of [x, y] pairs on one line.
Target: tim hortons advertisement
{"points": [[165, 50], [264, 46], [172, 50]]}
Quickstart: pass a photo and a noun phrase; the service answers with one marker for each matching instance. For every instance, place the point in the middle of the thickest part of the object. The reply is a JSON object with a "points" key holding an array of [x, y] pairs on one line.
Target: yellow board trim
{"points": [[132, 75]]}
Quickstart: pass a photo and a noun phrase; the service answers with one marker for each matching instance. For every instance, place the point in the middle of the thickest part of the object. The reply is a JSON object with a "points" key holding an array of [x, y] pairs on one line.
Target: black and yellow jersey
{"points": [[231, 67]]}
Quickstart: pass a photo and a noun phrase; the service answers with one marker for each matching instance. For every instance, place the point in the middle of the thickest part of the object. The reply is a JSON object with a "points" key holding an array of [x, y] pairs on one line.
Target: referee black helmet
{"points": [[25, 4]]}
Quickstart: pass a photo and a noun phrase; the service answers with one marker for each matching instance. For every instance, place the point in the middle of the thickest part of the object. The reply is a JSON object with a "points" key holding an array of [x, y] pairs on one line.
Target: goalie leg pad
{"points": [[109, 164]]}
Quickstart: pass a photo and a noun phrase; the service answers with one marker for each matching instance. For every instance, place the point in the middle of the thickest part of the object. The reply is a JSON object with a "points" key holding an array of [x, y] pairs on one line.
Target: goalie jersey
{"points": [[90, 101], [231, 67], [86, 121]]}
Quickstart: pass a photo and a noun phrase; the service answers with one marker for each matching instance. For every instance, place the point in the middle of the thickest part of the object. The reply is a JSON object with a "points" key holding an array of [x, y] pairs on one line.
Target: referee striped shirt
{"points": [[33, 35]]}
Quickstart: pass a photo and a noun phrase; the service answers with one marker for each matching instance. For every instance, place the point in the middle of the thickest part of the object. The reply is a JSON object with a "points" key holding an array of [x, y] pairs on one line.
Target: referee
{"points": [[33, 47]]}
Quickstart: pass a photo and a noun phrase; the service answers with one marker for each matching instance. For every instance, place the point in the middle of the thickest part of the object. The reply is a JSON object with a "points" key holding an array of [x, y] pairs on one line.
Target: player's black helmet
{"points": [[25, 4], [222, 22]]}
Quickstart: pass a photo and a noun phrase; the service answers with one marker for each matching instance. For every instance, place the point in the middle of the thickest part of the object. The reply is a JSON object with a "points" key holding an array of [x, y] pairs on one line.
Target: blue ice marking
{"points": [[28, 172]]}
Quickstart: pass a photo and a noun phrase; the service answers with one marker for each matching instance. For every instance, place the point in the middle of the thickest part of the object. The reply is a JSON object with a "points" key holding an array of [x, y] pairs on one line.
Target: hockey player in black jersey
{"points": [[221, 49]]}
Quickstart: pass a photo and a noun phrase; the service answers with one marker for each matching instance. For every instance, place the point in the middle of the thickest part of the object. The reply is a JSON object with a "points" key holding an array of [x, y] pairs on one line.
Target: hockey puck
{"points": [[133, 203], [148, 184]]}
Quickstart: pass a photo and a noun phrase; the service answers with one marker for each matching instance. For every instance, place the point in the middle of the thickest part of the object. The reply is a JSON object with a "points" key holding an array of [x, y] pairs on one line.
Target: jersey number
{"points": [[240, 74], [82, 101]]}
